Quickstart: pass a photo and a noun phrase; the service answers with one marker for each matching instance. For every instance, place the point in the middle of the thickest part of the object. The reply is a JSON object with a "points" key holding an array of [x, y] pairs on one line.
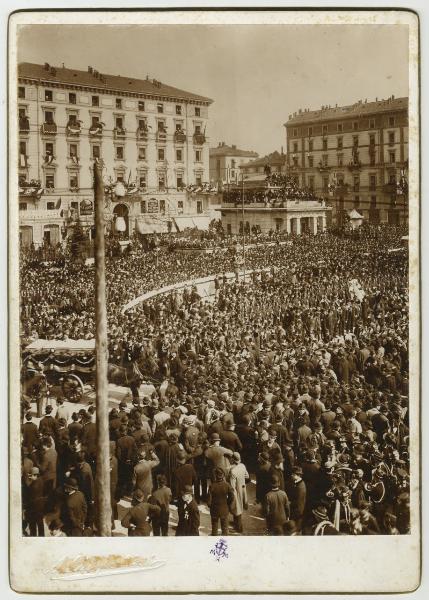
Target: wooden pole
{"points": [[102, 479]]}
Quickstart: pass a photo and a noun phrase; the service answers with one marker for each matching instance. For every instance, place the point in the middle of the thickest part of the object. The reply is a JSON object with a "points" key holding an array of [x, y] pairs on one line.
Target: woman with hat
{"points": [[238, 476]]}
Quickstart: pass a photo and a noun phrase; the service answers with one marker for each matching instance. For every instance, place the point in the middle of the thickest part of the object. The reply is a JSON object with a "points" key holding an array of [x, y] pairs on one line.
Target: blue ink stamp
{"points": [[220, 549]]}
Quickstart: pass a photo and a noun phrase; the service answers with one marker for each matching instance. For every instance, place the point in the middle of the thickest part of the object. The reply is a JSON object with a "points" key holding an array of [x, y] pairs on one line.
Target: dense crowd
{"points": [[275, 190], [296, 378]]}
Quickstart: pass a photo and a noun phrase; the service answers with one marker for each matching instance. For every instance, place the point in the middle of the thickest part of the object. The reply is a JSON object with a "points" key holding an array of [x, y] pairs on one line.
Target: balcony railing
{"points": [[161, 136], [96, 130], [323, 168], [49, 128], [199, 138], [180, 137], [119, 133], [24, 125], [355, 166], [73, 129], [141, 134]]}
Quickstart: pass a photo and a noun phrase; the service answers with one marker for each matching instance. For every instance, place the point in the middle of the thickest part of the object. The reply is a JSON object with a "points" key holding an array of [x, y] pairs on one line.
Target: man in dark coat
{"points": [[277, 508], [297, 494], [126, 452], [137, 518], [219, 499], [188, 513], [36, 501], [48, 425], [263, 478], [29, 432], [74, 510], [184, 475]]}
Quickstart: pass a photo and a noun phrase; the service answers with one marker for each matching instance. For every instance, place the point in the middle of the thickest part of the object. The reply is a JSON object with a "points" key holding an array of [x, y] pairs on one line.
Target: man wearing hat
{"points": [[188, 514], [74, 509], [321, 523], [277, 508], [238, 476], [184, 475], [36, 501], [29, 432], [297, 494], [48, 425], [220, 497], [228, 438], [217, 455], [137, 519]]}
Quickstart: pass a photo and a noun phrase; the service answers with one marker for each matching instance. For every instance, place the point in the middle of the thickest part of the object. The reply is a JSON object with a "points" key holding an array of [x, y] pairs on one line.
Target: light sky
{"points": [[256, 75]]}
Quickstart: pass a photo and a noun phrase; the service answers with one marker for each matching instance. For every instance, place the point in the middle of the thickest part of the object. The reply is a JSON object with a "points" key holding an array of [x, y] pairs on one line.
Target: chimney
{"points": [[290, 117], [393, 97], [53, 71], [376, 99], [47, 67], [90, 69], [234, 147], [300, 111]]}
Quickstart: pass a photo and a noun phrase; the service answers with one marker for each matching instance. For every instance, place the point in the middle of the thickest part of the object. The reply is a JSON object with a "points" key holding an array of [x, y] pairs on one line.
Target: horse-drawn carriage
{"points": [[58, 368]]}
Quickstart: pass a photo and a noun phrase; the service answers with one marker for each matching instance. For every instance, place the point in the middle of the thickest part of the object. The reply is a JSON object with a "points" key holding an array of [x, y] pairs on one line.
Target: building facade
{"points": [[354, 156], [225, 163], [149, 138], [276, 161]]}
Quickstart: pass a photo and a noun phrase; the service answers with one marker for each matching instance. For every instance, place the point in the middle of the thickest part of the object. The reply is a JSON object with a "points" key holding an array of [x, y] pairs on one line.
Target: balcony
{"points": [[141, 134], [199, 138], [323, 168], [161, 136], [179, 137], [355, 166], [119, 133], [96, 130], [24, 125], [73, 129], [49, 129]]}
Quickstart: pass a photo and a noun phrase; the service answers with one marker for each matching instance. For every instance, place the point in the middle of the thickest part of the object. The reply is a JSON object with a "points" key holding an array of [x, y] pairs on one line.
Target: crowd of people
{"points": [[276, 189], [295, 379]]}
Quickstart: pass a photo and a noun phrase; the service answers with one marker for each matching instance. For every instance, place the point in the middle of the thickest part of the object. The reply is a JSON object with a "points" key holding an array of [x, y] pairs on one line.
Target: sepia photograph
{"points": [[214, 293]]}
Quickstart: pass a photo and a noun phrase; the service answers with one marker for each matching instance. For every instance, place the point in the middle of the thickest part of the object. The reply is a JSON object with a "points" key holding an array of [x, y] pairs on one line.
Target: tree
{"points": [[78, 243]]}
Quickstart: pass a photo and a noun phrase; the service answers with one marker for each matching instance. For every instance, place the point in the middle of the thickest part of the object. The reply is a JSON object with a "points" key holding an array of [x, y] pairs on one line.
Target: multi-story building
{"points": [[225, 163], [276, 161], [354, 156], [150, 139]]}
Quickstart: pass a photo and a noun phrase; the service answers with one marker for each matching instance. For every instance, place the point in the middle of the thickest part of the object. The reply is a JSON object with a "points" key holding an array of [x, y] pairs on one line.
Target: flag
{"points": [[58, 204], [22, 160]]}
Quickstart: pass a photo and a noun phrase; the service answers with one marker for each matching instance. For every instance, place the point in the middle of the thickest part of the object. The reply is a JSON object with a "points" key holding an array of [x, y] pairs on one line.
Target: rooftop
{"points": [[224, 150], [359, 108], [275, 158], [92, 78]]}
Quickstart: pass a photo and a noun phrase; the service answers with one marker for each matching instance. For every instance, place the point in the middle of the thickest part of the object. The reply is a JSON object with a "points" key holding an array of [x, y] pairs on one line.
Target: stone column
{"points": [[315, 225], [288, 226], [324, 222], [298, 225]]}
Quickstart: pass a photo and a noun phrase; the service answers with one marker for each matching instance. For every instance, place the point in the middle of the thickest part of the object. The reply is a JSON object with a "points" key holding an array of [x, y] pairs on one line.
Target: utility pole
{"points": [[102, 478]]}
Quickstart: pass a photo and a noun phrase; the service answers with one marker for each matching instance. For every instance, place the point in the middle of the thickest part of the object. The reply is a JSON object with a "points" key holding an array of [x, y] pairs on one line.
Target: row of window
{"points": [[49, 181], [324, 161], [96, 152], [119, 122], [95, 101], [340, 146], [340, 127], [144, 208]]}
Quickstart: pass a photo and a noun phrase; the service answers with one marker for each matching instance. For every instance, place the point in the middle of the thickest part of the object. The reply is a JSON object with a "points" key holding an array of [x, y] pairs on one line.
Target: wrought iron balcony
{"points": [[24, 125], [119, 133], [161, 136], [355, 166], [180, 137], [96, 130], [141, 134], [49, 128], [73, 129], [199, 138]]}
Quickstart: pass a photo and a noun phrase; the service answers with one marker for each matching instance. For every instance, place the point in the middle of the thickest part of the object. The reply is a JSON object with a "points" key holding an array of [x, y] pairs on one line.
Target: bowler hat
{"points": [[215, 437], [320, 513]]}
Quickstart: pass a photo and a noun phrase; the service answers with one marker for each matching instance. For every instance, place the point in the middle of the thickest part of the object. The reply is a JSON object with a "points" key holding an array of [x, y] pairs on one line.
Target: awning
{"points": [[146, 227], [202, 222], [353, 214], [183, 223]]}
